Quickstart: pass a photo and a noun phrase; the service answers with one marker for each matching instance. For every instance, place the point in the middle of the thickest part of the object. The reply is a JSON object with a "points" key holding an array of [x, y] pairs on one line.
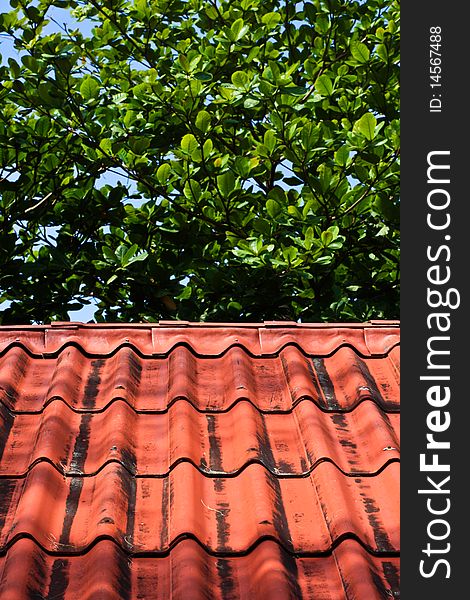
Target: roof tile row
{"points": [[338, 382], [226, 514], [189, 573], [358, 442]]}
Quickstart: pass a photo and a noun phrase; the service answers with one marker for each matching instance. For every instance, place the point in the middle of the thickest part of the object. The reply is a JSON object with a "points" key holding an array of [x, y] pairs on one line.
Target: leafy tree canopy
{"points": [[256, 144]]}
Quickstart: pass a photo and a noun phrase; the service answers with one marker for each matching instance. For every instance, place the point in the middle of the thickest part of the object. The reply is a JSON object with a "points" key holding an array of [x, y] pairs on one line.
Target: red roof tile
{"points": [[188, 572], [299, 440], [277, 383], [226, 514], [199, 461]]}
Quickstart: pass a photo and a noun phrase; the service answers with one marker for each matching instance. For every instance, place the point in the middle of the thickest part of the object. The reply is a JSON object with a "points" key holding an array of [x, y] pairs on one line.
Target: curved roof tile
{"points": [[192, 460]]}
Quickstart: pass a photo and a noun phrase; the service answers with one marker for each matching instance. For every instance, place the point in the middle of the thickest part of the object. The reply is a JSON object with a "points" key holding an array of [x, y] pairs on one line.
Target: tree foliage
{"points": [[257, 144]]}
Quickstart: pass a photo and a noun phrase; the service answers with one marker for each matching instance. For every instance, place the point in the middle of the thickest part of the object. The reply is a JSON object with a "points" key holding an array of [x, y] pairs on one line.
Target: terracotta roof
{"points": [[191, 461]]}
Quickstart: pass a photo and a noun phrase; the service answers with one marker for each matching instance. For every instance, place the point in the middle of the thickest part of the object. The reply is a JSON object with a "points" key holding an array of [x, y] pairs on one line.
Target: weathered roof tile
{"points": [[191, 461]]}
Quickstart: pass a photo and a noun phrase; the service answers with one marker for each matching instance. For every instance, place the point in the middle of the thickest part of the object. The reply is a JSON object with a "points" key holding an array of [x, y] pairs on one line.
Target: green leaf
{"points": [[47, 93], [366, 126], [120, 98], [324, 85], [186, 293], [382, 52], [202, 77], [322, 24], [192, 190], [290, 254], [342, 156], [262, 226], [163, 173], [109, 254], [195, 87], [89, 88], [15, 67], [226, 93], [31, 63], [132, 256], [8, 20], [240, 79], [273, 208], [270, 140], [51, 162], [331, 238], [271, 19], [294, 90], [142, 8], [387, 208], [141, 91], [184, 62], [207, 148], [251, 102], [266, 88], [220, 162], [203, 120], [325, 177], [309, 136], [106, 145], [360, 52], [324, 260], [379, 32], [138, 257], [139, 145], [334, 229], [238, 29], [194, 61], [275, 70], [309, 237], [326, 238], [226, 183], [189, 143], [242, 166], [277, 193], [42, 126]]}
